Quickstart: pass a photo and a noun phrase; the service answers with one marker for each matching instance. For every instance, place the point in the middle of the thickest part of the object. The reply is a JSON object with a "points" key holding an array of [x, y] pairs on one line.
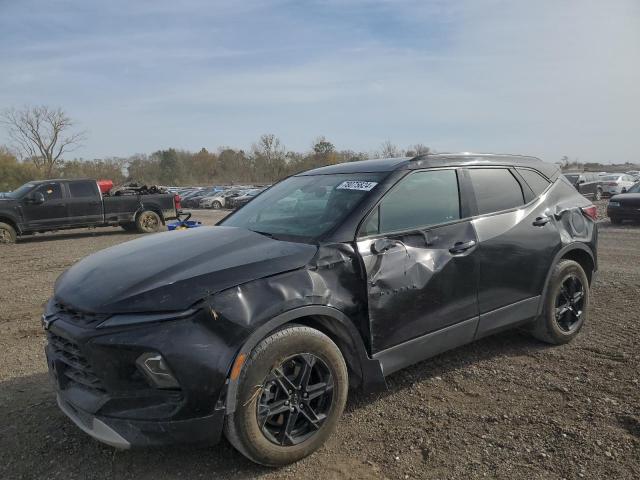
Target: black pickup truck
{"points": [[46, 205]]}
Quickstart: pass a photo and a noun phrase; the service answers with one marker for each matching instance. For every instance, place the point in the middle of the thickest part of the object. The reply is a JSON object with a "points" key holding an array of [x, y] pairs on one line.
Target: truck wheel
{"points": [[566, 304], [599, 194], [216, 205], [7, 233], [291, 394], [148, 222]]}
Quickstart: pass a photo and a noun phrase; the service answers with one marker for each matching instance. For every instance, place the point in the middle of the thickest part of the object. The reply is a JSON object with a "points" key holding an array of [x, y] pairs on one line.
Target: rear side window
{"points": [[536, 181], [420, 199], [83, 189], [495, 189]]}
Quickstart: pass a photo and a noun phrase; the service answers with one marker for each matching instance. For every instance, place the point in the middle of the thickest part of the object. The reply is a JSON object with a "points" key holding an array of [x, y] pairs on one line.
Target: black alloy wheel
{"points": [[295, 400], [570, 304]]}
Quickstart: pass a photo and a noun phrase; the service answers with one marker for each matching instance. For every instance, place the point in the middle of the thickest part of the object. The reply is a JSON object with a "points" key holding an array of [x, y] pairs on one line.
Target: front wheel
{"points": [[148, 222], [291, 393], [216, 205], [566, 304]]}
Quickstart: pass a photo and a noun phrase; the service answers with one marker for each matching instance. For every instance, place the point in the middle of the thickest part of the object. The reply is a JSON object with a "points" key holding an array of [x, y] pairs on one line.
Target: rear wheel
{"points": [[7, 233], [566, 304], [291, 394], [148, 222]]}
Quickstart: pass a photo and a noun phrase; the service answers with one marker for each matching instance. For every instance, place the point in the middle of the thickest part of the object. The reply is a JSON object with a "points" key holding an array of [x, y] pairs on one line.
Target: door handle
{"points": [[460, 247], [541, 221]]}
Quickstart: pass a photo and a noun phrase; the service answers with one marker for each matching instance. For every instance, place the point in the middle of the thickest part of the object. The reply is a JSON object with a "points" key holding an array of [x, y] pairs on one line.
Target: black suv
{"points": [[330, 279]]}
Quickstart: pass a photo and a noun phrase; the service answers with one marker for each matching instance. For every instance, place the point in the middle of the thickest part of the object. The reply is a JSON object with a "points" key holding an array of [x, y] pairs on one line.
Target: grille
{"points": [[76, 368], [65, 312]]}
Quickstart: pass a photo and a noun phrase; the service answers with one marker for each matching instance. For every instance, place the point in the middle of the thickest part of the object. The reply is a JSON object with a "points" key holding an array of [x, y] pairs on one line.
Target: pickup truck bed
{"points": [[62, 204]]}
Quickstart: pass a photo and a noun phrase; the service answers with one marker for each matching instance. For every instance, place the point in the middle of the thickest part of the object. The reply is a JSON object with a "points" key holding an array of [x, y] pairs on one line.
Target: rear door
{"points": [[85, 203], [50, 214], [518, 239], [419, 253]]}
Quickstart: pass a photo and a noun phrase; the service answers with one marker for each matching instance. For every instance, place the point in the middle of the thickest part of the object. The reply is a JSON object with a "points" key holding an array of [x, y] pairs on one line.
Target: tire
{"points": [[7, 233], [616, 220], [598, 194], [557, 329], [129, 227], [259, 385], [148, 222], [216, 205]]}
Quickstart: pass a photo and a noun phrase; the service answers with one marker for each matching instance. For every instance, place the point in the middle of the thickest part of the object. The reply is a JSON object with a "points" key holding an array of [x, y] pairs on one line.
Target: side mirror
{"points": [[382, 245], [36, 198]]}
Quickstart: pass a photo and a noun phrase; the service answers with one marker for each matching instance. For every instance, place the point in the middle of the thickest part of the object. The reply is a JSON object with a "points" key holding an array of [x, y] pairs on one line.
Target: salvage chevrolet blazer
{"points": [[331, 279]]}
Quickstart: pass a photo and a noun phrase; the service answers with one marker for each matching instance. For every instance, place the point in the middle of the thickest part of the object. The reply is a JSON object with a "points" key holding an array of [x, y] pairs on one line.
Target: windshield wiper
{"points": [[266, 234]]}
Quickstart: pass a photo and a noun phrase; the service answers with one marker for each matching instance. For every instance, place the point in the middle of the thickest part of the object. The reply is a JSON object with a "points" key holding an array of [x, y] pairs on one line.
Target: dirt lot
{"points": [[504, 407]]}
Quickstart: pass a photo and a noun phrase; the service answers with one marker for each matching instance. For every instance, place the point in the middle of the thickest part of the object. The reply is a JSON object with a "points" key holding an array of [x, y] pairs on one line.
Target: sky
{"points": [[546, 77]]}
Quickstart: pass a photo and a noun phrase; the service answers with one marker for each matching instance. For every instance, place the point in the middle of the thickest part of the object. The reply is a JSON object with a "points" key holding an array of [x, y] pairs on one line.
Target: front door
{"points": [[50, 214], [420, 260]]}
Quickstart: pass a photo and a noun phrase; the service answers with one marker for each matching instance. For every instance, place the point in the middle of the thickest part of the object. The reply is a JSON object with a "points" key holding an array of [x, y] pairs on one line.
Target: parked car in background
{"points": [[616, 183], [625, 206], [589, 184], [259, 326], [220, 200], [193, 200], [244, 198], [46, 205], [635, 174]]}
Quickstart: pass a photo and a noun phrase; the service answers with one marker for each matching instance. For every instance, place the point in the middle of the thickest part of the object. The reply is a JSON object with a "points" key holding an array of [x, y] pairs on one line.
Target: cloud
{"points": [[546, 78]]}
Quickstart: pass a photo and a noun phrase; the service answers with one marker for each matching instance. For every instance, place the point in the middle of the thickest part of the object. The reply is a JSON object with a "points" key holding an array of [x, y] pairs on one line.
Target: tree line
{"points": [[41, 136]]}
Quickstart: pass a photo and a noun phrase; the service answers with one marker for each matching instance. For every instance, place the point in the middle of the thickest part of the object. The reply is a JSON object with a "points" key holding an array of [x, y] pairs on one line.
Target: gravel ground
{"points": [[504, 407]]}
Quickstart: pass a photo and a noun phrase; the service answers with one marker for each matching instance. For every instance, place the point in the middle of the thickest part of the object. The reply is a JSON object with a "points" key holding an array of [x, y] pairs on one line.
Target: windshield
{"points": [[20, 191], [304, 207], [634, 189]]}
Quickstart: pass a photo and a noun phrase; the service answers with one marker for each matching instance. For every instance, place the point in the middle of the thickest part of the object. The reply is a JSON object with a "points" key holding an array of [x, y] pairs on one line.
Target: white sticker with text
{"points": [[356, 185]]}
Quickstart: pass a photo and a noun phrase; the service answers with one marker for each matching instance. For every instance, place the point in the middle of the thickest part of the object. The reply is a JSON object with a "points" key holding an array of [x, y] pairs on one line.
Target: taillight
{"points": [[177, 200], [591, 211]]}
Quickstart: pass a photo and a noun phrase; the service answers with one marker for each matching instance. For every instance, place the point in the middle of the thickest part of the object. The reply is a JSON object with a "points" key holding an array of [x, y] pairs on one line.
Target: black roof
{"points": [[436, 160], [49, 180]]}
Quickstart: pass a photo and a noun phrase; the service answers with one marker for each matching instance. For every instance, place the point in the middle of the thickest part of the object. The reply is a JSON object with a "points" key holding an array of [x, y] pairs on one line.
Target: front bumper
{"points": [[124, 434], [101, 389]]}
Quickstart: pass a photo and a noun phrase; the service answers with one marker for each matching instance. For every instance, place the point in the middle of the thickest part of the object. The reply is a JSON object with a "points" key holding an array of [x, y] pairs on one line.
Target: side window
{"points": [[536, 181], [51, 191], [83, 189], [420, 199], [495, 189]]}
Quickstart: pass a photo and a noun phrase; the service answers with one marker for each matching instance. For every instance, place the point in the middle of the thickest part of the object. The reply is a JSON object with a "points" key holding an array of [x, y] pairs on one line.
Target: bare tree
{"points": [[389, 150], [418, 149], [41, 134]]}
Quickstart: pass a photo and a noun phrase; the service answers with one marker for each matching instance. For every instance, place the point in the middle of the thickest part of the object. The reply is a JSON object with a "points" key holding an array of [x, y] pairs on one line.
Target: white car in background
{"points": [[219, 200], [614, 184]]}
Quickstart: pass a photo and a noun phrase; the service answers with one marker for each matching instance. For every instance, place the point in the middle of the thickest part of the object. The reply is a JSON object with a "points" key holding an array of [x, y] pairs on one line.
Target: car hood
{"points": [[171, 271], [627, 199]]}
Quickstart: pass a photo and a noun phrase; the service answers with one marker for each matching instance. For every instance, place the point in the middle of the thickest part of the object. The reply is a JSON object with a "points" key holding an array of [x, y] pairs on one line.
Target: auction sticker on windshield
{"points": [[356, 185]]}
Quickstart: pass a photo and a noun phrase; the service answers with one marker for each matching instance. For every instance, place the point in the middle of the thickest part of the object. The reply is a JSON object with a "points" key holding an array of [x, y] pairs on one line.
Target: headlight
{"points": [[614, 204], [136, 318]]}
